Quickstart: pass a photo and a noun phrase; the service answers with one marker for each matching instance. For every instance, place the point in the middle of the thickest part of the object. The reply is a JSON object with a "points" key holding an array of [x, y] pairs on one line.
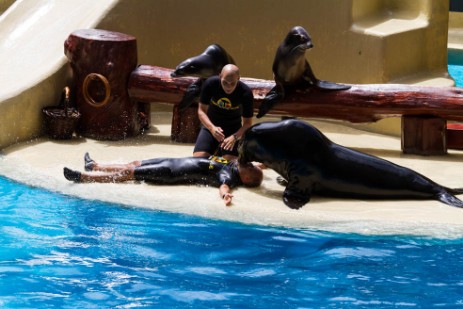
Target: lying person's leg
{"points": [[91, 165], [119, 176]]}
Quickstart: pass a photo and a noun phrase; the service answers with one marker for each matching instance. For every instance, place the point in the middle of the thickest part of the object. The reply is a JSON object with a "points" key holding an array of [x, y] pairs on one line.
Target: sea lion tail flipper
{"points": [[449, 199], [312, 80], [272, 98], [191, 93], [455, 191], [325, 85]]}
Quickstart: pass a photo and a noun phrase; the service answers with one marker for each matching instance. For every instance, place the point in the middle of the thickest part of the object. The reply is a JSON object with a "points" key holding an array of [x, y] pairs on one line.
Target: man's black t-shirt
{"points": [[225, 110]]}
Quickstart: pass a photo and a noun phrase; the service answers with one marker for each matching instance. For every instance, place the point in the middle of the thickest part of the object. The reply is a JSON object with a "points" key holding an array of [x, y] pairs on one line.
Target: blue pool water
{"points": [[63, 252], [456, 71], [455, 66]]}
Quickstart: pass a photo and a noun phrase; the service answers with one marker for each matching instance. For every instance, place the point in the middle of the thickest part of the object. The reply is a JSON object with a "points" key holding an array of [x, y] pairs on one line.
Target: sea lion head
{"points": [[192, 67], [298, 38], [205, 65]]}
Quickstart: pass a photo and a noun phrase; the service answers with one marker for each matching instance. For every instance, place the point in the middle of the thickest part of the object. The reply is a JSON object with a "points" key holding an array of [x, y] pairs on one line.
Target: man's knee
{"points": [[202, 154], [135, 163]]}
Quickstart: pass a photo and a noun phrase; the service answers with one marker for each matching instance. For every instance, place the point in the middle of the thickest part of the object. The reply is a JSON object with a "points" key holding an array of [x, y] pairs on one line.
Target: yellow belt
{"points": [[217, 159]]}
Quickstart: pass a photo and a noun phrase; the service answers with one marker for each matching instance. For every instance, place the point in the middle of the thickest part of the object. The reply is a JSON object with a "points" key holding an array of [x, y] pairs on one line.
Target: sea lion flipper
{"points": [[449, 199], [326, 85], [273, 97], [310, 77], [191, 94], [294, 198]]}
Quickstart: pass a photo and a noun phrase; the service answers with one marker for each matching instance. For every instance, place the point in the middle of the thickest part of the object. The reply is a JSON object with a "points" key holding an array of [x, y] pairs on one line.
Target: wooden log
{"points": [[154, 84], [102, 62], [360, 103]]}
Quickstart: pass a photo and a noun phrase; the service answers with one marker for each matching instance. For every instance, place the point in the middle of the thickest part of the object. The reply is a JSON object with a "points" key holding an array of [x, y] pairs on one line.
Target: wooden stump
{"points": [[102, 62], [455, 136], [425, 135], [185, 124]]}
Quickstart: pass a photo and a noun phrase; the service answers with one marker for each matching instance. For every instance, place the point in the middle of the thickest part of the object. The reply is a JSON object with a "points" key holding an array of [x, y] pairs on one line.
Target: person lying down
{"points": [[213, 171]]}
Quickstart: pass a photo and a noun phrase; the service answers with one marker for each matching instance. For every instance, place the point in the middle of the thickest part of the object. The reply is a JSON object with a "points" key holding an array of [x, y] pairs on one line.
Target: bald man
{"points": [[226, 108]]}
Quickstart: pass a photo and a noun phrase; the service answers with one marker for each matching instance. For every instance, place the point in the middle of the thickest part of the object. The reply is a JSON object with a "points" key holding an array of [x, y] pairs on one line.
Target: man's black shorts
{"points": [[207, 143]]}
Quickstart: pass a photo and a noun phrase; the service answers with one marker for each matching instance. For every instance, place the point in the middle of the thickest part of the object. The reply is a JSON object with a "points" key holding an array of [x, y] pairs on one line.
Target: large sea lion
{"points": [[314, 165], [205, 65], [291, 70]]}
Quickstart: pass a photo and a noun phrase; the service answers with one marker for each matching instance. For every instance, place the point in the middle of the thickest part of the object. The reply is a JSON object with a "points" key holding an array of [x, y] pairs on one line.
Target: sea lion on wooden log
{"points": [[291, 70], [205, 65], [313, 165]]}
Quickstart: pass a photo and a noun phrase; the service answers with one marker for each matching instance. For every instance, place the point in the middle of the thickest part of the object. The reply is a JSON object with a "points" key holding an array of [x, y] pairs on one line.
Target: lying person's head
{"points": [[250, 175]]}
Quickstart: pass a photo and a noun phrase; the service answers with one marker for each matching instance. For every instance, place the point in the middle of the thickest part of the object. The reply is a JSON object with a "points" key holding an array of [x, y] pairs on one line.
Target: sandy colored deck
{"points": [[40, 163]]}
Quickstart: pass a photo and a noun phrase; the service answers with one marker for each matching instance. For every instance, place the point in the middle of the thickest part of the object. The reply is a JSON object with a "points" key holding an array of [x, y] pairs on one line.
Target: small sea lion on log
{"points": [[205, 65], [291, 70]]}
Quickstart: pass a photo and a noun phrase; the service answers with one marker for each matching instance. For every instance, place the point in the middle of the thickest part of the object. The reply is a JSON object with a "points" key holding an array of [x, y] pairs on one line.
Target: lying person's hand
{"points": [[227, 198]]}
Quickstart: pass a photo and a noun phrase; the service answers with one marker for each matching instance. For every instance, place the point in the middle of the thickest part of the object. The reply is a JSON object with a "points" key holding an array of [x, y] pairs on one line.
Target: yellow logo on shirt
{"points": [[217, 159], [224, 103]]}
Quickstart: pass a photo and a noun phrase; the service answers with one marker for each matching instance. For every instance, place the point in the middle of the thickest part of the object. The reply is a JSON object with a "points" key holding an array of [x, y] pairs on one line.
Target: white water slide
{"points": [[33, 64]]}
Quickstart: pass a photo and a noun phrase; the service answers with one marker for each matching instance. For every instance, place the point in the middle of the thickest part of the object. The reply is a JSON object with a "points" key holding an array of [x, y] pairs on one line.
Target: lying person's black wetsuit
{"points": [[214, 171]]}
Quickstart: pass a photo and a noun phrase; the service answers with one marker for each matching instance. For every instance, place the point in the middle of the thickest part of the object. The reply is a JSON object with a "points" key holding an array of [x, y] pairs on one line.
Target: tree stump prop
{"points": [[101, 62]]}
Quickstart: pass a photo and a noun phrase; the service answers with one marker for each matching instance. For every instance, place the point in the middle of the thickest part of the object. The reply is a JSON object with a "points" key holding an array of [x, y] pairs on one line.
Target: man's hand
{"points": [[228, 143], [224, 191], [217, 133], [227, 199]]}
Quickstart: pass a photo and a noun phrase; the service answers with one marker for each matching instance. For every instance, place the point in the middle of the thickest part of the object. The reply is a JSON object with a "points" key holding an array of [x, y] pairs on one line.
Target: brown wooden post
{"points": [[424, 135], [102, 62], [455, 136], [185, 124]]}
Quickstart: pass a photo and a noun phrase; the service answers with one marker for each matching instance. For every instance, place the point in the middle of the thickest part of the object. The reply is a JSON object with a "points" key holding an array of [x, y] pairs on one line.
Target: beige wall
{"points": [[4, 4], [455, 30], [249, 30], [456, 20], [347, 46]]}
